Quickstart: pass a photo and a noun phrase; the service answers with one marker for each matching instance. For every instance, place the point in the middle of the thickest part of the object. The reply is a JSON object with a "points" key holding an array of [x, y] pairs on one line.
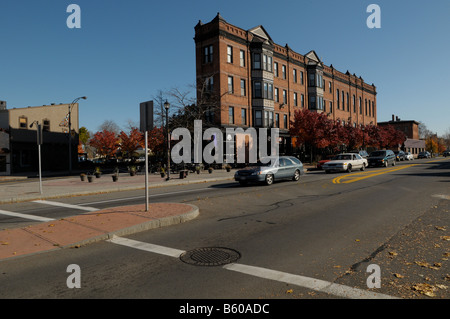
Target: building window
{"points": [[370, 111], [267, 63], [277, 120], [258, 118], [257, 90], [331, 107], [46, 125], [295, 99], [283, 71], [329, 87], [257, 61], [365, 100], [312, 102], [354, 103], [209, 116], [302, 100], [243, 90], [275, 68], [270, 119], [229, 54], [209, 83], [373, 108], [230, 85], [284, 97], [312, 81], [23, 122], [360, 105], [208, 54], [337, 99], [242, 58], [268, 91], [285, 121], [348, 103], [231, 115], [243, 116], [277, 98], [301, 77], [343, 101], [295, 75]]}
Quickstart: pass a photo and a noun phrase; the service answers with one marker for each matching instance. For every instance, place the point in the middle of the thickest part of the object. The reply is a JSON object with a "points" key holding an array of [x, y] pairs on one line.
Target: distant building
{"points": [[410, 128], [261, 84], [22, 139]]}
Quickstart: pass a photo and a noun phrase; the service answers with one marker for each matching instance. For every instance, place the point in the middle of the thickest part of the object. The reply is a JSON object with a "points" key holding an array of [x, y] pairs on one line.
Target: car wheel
{"points": [[386, 164], [296, 176], [269, 179], [393, 163], [363, 167], [349, 168]]}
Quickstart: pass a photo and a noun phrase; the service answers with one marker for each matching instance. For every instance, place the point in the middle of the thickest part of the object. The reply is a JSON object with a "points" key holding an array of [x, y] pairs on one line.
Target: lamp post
{"points": [[167, 106], [39, 142], [70, 129]]}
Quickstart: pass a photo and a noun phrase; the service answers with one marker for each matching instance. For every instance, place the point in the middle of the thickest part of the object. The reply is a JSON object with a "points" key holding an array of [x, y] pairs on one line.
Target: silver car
{"points": [[270, 169]]}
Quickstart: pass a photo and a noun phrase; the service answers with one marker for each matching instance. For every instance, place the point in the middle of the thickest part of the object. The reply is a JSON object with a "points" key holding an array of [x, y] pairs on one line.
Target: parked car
{"points": [[409, 156], [361, 153], [270, 169], [321, 162], [400, 156], [424, 155], [446, 153], [345, 162], [381, 158]]}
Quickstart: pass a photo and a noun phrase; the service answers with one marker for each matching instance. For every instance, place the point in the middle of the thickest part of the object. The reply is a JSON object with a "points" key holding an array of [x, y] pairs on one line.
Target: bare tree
{"points": [[424, 132], [159, 112], [110, 126]]}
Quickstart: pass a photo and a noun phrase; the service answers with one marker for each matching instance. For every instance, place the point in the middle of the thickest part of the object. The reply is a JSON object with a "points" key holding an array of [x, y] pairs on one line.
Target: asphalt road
{"points": [[295, 240]]}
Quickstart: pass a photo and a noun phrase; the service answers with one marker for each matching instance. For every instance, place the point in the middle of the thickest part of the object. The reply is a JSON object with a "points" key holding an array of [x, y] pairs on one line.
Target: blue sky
{"points": [[126, 51]]}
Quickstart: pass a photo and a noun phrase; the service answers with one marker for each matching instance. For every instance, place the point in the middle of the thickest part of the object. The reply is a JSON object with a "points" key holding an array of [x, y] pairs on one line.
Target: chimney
{"points": [[393, 117], [397, 119]]}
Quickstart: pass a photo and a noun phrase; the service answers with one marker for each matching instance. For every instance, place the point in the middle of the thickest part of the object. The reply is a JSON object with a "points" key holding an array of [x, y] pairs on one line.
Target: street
{"points": [[294, 240]]}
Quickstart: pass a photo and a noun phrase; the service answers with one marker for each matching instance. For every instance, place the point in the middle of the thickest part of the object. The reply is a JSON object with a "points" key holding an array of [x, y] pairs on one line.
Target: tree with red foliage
{"points": [[156, 140], [105, 142], [130, 143], [311, 128]]}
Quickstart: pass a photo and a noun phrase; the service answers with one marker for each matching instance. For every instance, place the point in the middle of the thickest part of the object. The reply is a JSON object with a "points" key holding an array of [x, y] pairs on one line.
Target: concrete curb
{"points": [[151, 224]]}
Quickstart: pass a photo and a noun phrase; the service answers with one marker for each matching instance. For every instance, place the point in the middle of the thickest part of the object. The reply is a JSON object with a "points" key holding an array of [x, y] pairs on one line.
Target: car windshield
{"points": [[377, 154], [342, 157]]}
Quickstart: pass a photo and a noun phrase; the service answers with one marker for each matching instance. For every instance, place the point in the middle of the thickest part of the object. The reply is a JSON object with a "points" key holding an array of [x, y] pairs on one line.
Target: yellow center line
{"points": [[350, 178]]}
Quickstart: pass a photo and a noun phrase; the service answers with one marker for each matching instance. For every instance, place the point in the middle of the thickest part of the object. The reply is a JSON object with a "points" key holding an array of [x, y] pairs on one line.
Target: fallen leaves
{"points": [[445, 238], [435, 266], [427, 289]]}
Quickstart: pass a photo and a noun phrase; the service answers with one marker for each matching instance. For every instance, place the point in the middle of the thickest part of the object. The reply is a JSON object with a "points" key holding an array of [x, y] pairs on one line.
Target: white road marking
{"points": [[302, 281], [26, 216], [89, 209], [139, 197], [442, 196], [306, 282], [145, 246]]}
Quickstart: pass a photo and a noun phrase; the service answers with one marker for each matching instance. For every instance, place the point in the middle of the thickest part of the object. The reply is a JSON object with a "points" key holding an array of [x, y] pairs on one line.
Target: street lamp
{"points": [[39, 142], [167, 106], [70, 128]]}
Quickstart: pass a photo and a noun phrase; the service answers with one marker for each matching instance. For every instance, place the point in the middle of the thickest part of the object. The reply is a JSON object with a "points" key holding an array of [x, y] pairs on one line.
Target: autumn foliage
{"points": [[106, 143], [317, 131]]}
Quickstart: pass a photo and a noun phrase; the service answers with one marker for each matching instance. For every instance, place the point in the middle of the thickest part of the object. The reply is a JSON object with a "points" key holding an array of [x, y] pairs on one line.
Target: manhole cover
{"points": [[210, 256]]}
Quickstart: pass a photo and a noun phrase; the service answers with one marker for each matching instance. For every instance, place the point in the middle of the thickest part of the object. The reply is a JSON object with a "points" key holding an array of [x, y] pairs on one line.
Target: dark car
{"points": [[446, 153], [361, 153], [270, 169], [381, 158], [424, 155], [400, 155]]}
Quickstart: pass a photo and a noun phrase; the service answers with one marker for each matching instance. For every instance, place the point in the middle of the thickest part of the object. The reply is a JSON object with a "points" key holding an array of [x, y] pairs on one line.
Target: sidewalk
{"points": [[28, 189], [75, 231]]}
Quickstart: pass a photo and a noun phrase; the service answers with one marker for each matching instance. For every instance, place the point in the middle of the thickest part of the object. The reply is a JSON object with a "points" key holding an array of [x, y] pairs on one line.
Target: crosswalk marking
{"points": [[89, 209], [302, 281], [26, 216]]}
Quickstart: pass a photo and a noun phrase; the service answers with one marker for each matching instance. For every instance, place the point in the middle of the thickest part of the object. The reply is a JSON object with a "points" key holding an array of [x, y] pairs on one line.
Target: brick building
{"points": [[410, 128], [259, 83]]}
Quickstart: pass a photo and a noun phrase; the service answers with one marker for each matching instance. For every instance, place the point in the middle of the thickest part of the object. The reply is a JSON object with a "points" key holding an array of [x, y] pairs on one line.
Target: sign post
{"points": [[146, 124]]}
